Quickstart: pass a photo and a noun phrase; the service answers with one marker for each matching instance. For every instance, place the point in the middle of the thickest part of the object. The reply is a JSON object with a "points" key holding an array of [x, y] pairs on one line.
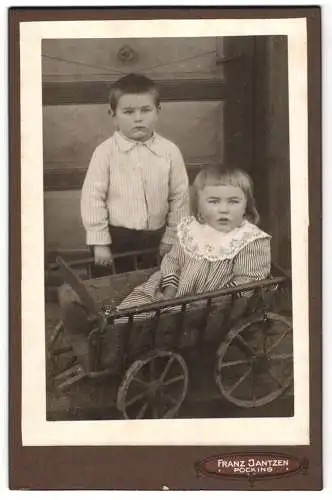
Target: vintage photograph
{"points": [[165, 249], [167, 228], [164, 211]]}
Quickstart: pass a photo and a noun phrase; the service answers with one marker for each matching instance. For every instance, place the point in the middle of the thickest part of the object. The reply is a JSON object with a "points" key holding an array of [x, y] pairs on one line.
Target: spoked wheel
{"points": [[59, 357], [154, 386], [255, 361]]}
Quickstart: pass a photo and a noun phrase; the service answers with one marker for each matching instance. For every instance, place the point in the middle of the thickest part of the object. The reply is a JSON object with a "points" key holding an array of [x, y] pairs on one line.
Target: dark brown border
{"points": [[152, 467]]}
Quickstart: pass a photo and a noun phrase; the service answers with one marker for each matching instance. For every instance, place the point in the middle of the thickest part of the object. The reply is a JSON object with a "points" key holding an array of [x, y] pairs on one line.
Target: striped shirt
{"points": [[191, 276], [142, 186]]}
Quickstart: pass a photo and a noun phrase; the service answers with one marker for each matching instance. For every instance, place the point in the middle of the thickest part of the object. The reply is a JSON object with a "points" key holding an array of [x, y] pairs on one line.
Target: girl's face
{"points": [[222, 207]]}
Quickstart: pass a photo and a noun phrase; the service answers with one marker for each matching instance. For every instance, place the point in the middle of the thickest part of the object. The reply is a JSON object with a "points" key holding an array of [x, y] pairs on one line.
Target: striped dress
{"points": [[204, 259]]}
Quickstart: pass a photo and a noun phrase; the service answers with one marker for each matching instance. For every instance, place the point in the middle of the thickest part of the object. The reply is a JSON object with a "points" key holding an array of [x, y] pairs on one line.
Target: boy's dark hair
{"points": [[133, 84]]}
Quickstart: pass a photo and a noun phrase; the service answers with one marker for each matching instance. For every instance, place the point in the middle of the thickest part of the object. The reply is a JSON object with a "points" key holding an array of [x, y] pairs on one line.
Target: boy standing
{"points": [[136, 188]]}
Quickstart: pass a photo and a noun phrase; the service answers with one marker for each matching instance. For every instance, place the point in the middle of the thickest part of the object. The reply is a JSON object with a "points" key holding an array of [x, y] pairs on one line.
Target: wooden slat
{"points": [[261, 171], [70, 176], [238, 112], [271, 143], [96, 92], [69, 254], [277, 152]]}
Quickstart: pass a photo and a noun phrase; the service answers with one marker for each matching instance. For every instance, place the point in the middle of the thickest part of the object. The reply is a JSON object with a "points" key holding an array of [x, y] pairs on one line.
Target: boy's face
{"points": [[136, 116], [222, 207]]}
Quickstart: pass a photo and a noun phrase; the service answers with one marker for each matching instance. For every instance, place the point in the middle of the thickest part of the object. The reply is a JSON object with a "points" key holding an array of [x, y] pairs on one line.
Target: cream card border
{"points": [[266, 431]]}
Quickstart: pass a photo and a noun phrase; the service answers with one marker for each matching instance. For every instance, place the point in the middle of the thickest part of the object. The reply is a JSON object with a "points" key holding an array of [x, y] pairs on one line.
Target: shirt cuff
{"points": [[170, 280], [98, 238]]}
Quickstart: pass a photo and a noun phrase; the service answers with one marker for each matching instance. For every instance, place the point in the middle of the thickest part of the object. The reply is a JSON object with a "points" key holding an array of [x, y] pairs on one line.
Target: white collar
{"points": [[201, 241], [125, 144]]}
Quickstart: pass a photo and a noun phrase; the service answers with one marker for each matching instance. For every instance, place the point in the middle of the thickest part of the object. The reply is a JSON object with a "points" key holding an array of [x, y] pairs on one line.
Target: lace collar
{"points": [[201, 241]]}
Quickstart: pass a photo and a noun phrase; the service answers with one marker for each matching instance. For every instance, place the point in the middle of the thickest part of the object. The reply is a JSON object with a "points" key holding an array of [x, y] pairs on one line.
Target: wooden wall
{"points": [[68, 60], [271, 144], [76, 78], [71, 134], [278, 152]]}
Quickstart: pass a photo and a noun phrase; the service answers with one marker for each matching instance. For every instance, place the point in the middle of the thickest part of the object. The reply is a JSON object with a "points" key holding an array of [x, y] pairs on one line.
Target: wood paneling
{"points": [[62, 221], [77, 74], [261, 98], [71, 133], [271, 145], [278, 151], [97, 91], [70, 176], [239, 105], [160, 58]]}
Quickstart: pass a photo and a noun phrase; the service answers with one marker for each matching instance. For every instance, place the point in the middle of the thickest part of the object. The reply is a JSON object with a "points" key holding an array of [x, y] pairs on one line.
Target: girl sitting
{"points": [[219, 246]]}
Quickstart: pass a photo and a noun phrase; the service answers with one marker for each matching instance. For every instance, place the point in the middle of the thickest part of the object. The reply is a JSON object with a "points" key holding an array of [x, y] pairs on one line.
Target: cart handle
{"points": [[90, 260]]}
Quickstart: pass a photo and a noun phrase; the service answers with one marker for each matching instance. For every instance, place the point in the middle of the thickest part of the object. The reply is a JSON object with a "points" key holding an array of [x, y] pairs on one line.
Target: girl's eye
{"points": [[213, 202], [233, 202]]}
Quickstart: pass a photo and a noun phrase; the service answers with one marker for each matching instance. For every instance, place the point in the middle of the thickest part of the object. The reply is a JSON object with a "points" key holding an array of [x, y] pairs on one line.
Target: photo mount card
{"points": [[237, 86]]}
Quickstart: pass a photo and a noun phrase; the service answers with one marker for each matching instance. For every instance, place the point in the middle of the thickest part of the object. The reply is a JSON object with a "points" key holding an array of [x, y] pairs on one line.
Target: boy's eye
{"points": [[128, 111], [146, 110], [213, 201]]}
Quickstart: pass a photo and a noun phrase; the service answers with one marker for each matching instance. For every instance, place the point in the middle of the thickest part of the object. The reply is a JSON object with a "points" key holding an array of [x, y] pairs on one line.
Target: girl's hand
{"points": [[169, 292], [164, 248], [102, 255]]}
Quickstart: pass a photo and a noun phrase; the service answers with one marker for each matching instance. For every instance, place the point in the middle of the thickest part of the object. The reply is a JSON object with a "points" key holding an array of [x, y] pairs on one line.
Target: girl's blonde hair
{"points": [[221, 176]]}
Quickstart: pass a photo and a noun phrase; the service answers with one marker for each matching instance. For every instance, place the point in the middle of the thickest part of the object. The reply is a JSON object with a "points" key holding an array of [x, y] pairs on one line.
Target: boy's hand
{"points": [[169, 292], [102, 255], [164, 248]]}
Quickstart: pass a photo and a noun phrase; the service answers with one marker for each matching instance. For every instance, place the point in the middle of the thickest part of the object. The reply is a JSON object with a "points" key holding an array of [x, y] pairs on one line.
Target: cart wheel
{"points": [[55, 361], [154, 386], [255, 361], [51, 357]]}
